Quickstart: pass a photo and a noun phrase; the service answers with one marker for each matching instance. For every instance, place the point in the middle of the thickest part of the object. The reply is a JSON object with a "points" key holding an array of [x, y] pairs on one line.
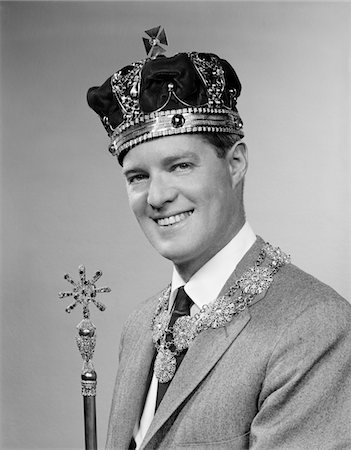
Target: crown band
{"points": [[176, 121]]}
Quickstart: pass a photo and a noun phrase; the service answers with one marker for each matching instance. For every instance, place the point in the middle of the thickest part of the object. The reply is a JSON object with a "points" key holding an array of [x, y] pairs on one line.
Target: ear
{"points": [[237, 159]]}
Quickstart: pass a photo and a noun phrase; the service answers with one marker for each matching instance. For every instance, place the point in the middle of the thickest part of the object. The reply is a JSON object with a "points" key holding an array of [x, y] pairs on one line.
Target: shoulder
{"points": [[298, 301], [303, 290], [292, 277]]}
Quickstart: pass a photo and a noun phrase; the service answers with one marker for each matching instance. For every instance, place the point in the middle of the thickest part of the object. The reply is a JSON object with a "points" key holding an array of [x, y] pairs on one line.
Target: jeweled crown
{"points": [[160, 96]]}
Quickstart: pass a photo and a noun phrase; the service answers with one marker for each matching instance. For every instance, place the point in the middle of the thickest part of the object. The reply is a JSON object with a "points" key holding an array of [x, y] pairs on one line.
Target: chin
{"points": [[175, 256], [174, 253]]}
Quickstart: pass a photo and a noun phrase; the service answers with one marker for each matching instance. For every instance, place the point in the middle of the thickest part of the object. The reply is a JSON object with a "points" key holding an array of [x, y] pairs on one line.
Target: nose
{"points": [[160, 191]]}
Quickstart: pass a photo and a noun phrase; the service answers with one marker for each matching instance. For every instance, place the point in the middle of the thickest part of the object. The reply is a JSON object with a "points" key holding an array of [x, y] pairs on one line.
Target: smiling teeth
{"points": [[173, 219]]}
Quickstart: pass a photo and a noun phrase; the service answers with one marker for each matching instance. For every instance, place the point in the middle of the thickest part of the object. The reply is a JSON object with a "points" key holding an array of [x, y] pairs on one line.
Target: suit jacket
{"points": [[278, 376]]}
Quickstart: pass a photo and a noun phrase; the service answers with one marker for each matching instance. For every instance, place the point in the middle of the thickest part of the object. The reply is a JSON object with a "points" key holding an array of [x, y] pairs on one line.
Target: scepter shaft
{"points": [[89, 378], [90, 423]]}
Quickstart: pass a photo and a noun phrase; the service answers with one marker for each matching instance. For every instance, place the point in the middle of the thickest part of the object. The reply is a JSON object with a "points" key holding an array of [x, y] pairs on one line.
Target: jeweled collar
{"points": [[254, 281]]}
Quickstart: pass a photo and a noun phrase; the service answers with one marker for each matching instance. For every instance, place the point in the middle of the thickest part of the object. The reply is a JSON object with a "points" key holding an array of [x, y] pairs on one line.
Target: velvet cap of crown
{"points": [[163, 96]]}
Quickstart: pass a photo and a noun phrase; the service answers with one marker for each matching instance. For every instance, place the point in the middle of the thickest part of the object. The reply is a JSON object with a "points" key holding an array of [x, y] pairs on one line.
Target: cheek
{"points": [[136, 203], [218, 206], [214, 195]]}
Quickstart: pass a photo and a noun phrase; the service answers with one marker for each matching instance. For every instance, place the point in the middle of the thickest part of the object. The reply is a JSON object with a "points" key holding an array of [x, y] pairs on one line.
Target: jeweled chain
{"points": [[125, 86], [219, 313], [212, 74]]}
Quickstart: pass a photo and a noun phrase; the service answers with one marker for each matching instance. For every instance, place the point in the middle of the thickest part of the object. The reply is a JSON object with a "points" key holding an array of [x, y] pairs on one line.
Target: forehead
{"points": [[168, 148]]}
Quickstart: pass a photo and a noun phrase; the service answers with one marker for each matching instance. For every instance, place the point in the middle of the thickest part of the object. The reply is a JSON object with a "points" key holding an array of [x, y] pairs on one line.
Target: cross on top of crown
{"points": [[157, 36]]}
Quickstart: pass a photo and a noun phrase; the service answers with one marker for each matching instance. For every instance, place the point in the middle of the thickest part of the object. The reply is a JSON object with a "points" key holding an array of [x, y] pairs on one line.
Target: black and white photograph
{"points": [[175, 225]]}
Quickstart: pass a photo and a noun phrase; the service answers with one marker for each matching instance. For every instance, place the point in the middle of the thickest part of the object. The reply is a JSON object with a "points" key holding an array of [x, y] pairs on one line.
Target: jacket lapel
{"points": [[204, 353], [130, 389], [201, 357]]}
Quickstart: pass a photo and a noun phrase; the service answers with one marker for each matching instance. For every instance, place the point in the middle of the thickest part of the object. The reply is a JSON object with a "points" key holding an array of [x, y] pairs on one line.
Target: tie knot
{"points": [[182, 303]]}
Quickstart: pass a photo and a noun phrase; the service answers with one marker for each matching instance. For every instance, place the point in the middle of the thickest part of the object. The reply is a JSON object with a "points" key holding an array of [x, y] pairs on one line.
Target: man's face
{"points": [[183, 197]]}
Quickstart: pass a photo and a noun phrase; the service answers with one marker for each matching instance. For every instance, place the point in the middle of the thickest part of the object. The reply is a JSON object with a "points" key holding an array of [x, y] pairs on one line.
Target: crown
{"points": [[158, 96]]}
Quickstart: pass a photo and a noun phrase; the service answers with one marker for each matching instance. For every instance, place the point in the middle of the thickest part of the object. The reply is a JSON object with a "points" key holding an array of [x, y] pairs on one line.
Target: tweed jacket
{"points": [[278, 376]]}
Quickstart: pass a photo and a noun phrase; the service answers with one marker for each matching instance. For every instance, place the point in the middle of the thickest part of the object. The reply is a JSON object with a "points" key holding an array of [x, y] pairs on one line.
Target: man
{"points": [[243, 349]]}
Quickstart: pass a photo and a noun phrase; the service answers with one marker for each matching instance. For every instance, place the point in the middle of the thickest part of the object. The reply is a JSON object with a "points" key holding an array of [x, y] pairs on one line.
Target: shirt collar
{"points": [[205, 285]]}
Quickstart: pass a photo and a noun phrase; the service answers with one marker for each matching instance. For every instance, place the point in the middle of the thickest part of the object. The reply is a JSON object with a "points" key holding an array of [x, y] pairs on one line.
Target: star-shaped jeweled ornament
{"points": [[84, 292]]}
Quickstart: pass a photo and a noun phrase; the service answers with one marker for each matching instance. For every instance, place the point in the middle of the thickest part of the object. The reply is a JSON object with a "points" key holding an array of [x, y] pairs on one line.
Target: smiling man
{"points": [[242, 349], [187, 200]]}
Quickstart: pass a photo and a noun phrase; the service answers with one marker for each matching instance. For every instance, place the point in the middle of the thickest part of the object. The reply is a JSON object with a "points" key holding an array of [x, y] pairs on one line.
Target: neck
{"points": [[187, 269]]}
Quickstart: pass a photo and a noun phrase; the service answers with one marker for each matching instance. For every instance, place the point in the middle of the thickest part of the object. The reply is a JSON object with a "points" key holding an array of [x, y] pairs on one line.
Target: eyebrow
{"points": [[166, 161], [174, 158], [132, 171]]}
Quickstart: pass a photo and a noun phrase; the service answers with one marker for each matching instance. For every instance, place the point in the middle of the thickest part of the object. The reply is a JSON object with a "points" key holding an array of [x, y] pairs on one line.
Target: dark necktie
{"points": [[182, 305]]}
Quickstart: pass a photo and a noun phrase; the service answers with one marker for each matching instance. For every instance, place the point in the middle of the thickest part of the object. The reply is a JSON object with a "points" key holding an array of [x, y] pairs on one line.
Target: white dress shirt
{"points": [[203, 288]]}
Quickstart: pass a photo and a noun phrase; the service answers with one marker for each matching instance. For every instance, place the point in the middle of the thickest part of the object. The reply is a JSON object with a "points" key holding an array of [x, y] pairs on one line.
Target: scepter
{"points": [[84, 292]]}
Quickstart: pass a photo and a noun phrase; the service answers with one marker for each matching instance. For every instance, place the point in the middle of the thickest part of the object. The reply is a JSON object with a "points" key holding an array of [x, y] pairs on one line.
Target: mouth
{"points": [[172, 220]]}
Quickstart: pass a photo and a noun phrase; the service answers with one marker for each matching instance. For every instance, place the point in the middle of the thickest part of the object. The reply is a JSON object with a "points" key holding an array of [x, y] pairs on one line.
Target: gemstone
{"points": [[165, 365], [89, 376], [178, 121], [184, 331], [86, 332], [222, 312], [277, 255], [159, 325], [154, 41], [112, 149], [256, 280]]}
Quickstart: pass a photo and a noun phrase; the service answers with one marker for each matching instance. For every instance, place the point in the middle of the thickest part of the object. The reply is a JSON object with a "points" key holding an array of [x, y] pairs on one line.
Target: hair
{"points": [[222, 142]]}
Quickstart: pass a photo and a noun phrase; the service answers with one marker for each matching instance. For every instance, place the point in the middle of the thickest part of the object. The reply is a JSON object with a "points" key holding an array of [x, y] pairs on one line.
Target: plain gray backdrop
{"points": [[63, 196]]}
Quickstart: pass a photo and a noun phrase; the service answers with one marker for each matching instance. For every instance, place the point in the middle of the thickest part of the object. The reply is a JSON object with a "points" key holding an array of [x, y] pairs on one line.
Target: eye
{"points": [[137, 178], [181, 166]]}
